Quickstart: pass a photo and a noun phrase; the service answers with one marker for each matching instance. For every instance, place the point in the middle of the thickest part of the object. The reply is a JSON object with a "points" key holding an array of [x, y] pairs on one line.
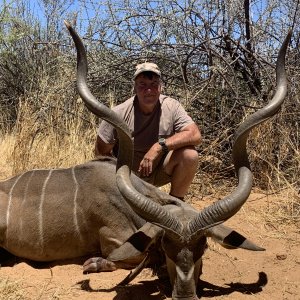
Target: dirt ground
{"points": [[227, 274]]}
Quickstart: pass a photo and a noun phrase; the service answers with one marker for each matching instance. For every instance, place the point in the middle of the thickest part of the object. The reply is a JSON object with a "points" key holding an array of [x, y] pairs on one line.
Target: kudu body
{"points": [[99, 207]]}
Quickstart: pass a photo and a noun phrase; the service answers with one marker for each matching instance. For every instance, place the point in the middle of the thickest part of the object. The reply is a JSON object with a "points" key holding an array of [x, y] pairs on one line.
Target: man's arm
{"points": [[102, 148], [189, 136]]}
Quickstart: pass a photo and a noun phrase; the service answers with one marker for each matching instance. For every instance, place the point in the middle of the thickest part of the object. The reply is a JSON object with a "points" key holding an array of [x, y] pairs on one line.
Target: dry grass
{"points": [[285, 209], [276, 167], [55, 141], [51, 144], [276, 162], [7, 142], [11, 290], [15, 289]]}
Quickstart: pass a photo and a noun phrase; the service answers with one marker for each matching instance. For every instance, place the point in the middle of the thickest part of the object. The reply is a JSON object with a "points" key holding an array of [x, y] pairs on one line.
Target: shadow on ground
{"points": [[158, 289]]}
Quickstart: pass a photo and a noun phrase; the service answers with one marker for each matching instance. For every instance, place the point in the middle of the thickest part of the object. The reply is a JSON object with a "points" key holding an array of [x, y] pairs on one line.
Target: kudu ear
{"points": [[230, 239], [137, 245]]}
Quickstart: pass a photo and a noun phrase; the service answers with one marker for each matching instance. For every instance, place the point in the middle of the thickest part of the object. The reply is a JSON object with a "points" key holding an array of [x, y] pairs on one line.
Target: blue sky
{"points": [[88, 11]]}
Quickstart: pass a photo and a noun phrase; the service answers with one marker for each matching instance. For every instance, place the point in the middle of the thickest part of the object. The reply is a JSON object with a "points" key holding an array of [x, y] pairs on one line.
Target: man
{"points": [[164, 135]]}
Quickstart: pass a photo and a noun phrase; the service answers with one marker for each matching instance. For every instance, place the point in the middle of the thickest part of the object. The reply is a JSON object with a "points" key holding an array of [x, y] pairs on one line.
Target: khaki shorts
{"points": [[158, 177]]}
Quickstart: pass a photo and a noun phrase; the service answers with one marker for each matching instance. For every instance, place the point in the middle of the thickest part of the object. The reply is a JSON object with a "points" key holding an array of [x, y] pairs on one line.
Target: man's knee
{"points": [[188, 155]]}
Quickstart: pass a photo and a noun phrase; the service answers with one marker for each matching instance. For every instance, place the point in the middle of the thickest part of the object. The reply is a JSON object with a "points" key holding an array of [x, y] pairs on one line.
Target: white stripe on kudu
{"points": [[10, 199], [41, 209], [75, 204]]}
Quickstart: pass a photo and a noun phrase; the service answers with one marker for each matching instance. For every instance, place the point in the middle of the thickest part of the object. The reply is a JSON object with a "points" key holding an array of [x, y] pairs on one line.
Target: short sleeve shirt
{"points": [[167, 118]]}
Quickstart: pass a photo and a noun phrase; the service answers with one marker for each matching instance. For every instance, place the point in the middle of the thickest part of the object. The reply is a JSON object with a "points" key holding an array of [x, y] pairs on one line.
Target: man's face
{"points": [[147, 90]]}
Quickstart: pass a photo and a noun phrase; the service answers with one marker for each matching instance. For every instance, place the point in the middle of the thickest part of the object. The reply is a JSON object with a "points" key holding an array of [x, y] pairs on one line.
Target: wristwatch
{"points": [[162, 142]]}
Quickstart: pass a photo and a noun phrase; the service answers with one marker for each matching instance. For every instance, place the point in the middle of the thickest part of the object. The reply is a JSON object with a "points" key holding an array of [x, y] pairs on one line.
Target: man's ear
{"points": [[162, 86], [133, 91]]}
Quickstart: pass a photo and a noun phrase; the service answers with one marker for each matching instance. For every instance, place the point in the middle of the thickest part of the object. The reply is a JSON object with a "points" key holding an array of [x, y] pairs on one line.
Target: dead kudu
{"points": [[100, 207]]}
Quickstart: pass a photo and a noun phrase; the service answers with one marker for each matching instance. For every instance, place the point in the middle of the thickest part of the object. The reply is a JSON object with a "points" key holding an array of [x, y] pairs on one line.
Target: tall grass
{"points": [[47, 135]]}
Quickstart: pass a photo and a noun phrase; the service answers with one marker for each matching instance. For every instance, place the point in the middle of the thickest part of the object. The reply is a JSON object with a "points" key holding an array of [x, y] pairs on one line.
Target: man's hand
{"points": [[149, 160], [102, 148]]}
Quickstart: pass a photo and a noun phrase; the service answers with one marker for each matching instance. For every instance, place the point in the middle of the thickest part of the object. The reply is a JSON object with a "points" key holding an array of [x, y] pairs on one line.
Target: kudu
{"points": [[100, 207]]}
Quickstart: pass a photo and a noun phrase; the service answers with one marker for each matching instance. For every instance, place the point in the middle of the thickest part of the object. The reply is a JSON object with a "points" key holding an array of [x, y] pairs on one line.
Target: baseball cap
{"points": [[146, 67]]}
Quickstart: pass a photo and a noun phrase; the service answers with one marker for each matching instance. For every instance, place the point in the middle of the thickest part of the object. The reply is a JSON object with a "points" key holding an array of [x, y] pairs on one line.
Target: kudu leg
{"points": [[98, 264]]}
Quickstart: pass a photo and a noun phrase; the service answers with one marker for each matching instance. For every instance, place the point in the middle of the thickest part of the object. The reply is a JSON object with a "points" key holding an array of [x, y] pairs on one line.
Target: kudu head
{"points": [[184, 230]]}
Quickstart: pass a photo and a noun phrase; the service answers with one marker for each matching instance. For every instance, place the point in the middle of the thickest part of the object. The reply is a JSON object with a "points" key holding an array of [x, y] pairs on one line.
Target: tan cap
{"points": [[146, 67]]}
